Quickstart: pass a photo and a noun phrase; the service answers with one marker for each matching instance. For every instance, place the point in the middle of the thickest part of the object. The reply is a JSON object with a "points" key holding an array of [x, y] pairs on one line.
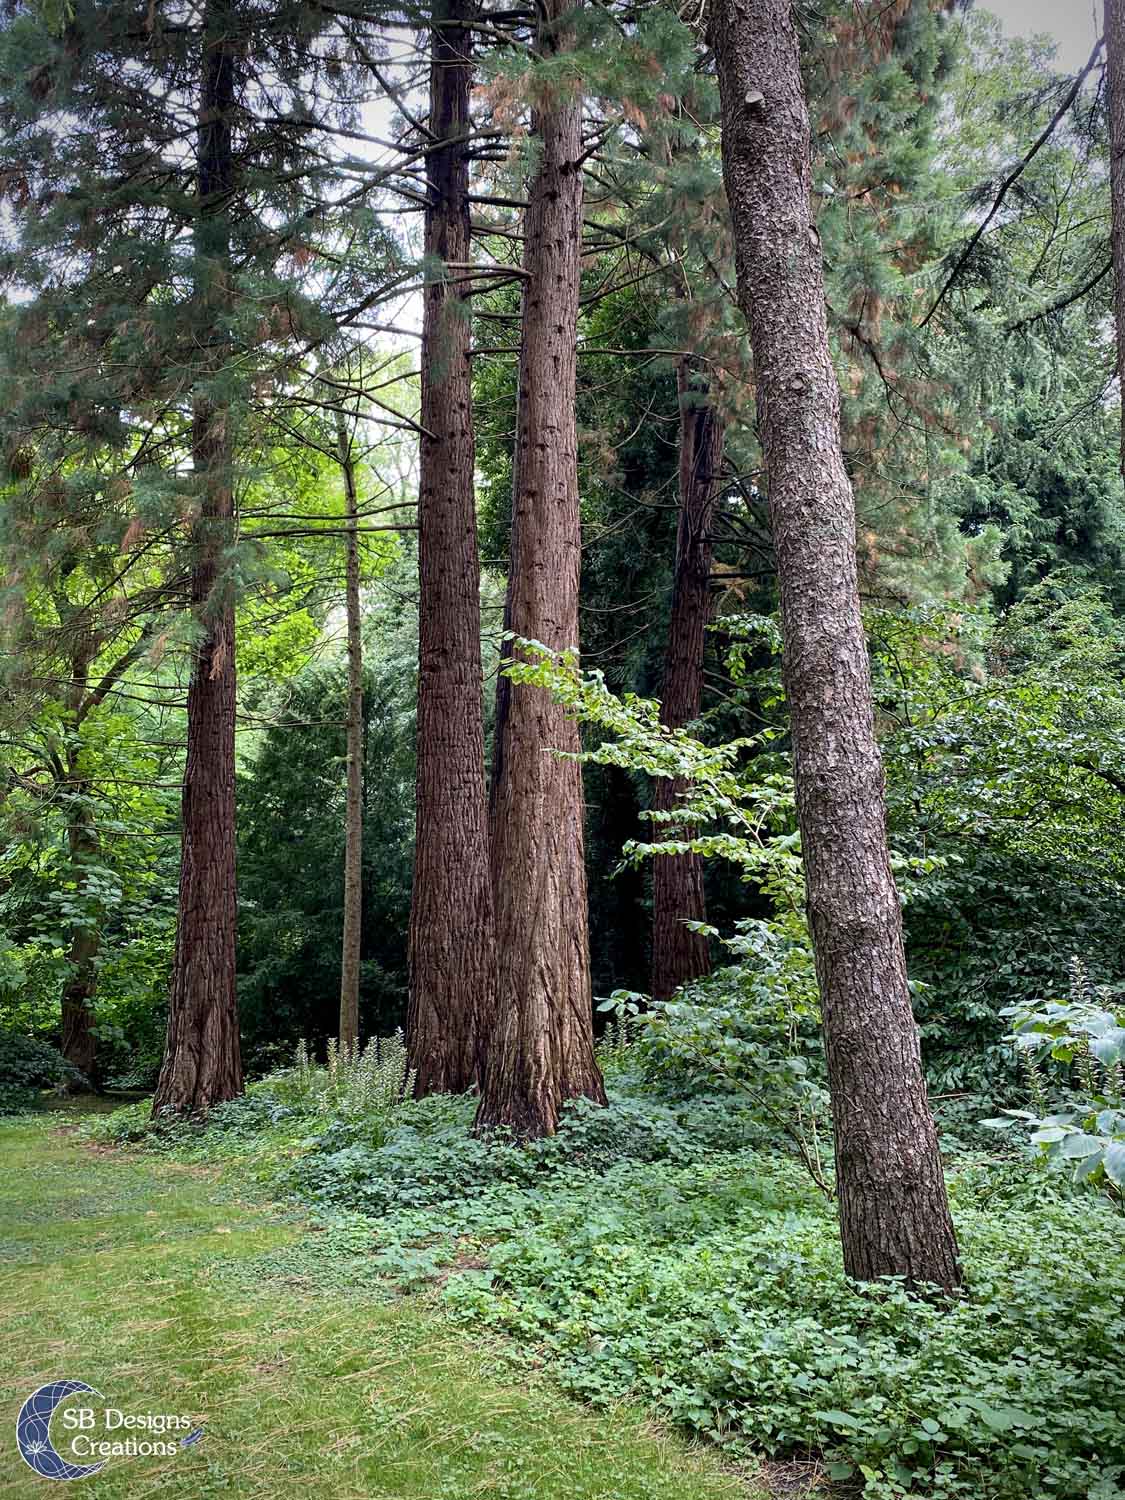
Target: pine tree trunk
{"points": [[452, 942], [1115, 60], [541, 1048], [894, 1217], [353, 812], [202, 1063], [79, 1045], [678, 953]]}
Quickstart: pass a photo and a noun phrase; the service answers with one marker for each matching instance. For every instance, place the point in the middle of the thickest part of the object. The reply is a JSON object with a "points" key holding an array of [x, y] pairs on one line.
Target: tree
{"points": [[681, 952], [894, 1217], [1115, 60], [540, 1046], [352, 936], [452, 949], [202, 1062]]}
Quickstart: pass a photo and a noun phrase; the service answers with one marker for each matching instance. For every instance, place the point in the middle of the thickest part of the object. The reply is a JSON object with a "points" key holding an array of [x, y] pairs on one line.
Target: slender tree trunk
{"points": [[894, 1218], [1115, 60], [541, 1048], [79, 1045], [678, 953], [202, 1061], [452, 934], [353, 814]]}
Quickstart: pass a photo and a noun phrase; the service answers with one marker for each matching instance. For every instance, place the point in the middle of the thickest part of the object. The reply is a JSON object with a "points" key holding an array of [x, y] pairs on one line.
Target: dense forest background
{"points": [[562, 714], [981, 434]]}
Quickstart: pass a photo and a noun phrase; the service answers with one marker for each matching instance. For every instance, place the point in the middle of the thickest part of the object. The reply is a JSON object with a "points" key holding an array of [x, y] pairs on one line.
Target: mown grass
{"points": [[117, 1270]]}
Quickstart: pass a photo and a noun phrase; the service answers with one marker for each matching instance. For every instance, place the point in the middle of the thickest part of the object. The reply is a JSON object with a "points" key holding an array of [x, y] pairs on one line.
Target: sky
{"points": [[1074, 24]]}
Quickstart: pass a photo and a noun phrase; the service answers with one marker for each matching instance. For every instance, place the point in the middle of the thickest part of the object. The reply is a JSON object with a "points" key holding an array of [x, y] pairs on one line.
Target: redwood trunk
{"points": [[353, 812], [452, 943], [541, 1048], [202, 1062], [1115, 60], [679, 954], [894, 1217]]}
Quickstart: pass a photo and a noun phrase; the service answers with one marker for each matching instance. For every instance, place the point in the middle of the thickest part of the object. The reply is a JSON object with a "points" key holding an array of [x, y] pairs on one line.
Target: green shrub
{"points": [[716, 1294], [27, 1067], [1082, 1127]]}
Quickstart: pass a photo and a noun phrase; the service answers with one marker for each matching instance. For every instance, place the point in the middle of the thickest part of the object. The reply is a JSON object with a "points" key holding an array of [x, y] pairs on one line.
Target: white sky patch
{"points": [[1074, 25]]}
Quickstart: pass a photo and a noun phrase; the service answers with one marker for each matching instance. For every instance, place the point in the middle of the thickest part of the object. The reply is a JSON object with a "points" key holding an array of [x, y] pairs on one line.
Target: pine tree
{"points": [[175, 297], [202, 1061], [1115, 57], [894, 1217]]}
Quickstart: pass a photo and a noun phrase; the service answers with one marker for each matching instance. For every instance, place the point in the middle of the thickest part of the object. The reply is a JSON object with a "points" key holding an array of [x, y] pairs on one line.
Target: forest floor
{"points": [[165, 1289]]}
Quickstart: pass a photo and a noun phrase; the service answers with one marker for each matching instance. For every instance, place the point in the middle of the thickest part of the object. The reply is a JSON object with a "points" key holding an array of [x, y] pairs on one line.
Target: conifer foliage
{"points": [[682, 324]]}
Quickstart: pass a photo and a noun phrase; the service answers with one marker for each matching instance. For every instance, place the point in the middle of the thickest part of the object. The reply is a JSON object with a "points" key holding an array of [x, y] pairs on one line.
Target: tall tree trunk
{"points": [[79, 1045], [202, 1061], [452, 933], [1115, 60], [353, 814], [678, 953], [894, 1217], [541, 1048]]}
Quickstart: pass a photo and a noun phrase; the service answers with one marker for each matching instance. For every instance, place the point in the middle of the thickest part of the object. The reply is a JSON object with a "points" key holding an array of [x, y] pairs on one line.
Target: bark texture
{"points": [[1115, 60], [79, 1045], [894, 1217], [541, 1047], [202, 1061], [353, 807], [452, 942], [678, 953]]}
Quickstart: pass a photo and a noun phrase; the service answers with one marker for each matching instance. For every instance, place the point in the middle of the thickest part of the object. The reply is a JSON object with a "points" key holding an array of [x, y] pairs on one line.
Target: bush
{"points": [[716, 1293], [428, 1156], [27, 1067], [664, 1249], [1084, 1036]]}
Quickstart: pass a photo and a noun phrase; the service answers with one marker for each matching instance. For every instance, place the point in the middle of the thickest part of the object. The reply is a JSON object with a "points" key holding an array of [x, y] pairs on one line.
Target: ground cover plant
{"points": [[562, 744], [672, 1249]]}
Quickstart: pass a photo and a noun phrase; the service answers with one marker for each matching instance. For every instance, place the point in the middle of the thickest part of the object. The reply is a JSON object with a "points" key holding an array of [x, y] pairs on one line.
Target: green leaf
{"points": [[1114, 1162], [1079, 1146], [839, 1419]]}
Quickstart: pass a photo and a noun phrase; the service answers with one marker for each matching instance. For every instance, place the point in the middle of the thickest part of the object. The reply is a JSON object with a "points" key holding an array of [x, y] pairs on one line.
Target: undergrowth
{"points": [[670, 1249]]}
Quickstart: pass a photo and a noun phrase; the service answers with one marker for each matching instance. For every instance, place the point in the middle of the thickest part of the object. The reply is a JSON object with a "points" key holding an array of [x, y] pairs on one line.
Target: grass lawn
{"points": [[138, 1276]]}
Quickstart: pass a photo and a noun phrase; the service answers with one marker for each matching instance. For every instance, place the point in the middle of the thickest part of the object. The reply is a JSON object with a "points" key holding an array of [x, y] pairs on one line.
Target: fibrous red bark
{"points": [[680, 954], [202, 1061], [540, 1049], [452, 946]]}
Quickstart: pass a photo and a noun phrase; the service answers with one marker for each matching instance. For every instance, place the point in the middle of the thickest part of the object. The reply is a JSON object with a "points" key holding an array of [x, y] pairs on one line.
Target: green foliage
{"points": [[291, 850], [27, 1067], [715, 1292], [1004, 744], [662, 1249], [370, 1080], [752, 1029], [1085, 1130]]}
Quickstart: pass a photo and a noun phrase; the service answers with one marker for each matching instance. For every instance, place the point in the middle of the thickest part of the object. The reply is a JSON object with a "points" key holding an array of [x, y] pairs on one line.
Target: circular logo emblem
{"points": [[33, 1432]]}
